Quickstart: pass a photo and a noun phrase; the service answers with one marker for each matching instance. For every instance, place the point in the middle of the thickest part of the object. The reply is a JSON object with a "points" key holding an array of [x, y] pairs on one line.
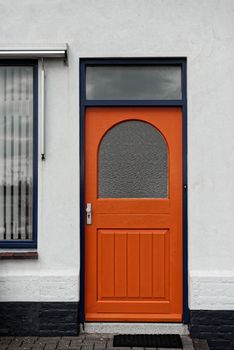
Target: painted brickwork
{"points": [[45, 319], [202, 31], [211, 290], [215, 326], [38, 286]]}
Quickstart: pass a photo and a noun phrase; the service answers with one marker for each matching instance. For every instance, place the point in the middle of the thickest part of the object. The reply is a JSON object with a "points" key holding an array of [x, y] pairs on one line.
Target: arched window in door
{"points": [[133, 162]]}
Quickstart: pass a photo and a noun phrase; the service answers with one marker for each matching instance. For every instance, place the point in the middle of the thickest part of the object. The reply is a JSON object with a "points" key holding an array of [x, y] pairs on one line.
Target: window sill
{"points": [[18, 255]]}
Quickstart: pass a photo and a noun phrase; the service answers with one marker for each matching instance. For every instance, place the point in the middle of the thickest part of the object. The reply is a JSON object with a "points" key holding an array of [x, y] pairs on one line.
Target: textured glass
{"points": [[16, 150], [133, 82], [133, 162]]}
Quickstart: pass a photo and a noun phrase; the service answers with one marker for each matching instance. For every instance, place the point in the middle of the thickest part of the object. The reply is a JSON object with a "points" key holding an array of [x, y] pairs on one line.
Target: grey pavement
{"points": [[83, 342]]}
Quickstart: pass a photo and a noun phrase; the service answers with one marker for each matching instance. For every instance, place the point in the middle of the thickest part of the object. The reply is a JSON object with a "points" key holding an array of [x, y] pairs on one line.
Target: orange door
{"points": [[133, 246]]}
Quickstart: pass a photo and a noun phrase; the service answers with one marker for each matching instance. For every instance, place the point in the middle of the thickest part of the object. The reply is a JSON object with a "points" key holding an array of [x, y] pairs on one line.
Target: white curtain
{"points": [[16, 152]]}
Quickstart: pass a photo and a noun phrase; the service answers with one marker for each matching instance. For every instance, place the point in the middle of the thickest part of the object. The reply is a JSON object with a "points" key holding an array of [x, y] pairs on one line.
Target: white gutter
{"points": [[42, 109]]}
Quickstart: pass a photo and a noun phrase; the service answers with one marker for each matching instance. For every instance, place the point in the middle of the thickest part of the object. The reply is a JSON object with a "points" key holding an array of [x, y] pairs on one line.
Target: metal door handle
{"points": [[88, 214]]}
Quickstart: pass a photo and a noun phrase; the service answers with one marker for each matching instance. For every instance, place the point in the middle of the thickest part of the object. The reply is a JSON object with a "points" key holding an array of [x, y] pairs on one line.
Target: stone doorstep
{"points": [[95, 328]]}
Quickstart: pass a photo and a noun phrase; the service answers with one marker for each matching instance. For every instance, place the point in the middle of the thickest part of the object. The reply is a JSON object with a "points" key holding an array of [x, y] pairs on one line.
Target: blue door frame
{"points": [[117, 103]]}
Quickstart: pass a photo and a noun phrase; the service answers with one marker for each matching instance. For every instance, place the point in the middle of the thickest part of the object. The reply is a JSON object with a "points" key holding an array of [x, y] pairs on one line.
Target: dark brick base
{"points": [[39, 318], [215, 326]]}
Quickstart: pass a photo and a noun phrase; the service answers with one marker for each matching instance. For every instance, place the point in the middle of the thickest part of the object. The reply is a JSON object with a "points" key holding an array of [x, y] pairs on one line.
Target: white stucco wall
{"points": [[202, 31]]}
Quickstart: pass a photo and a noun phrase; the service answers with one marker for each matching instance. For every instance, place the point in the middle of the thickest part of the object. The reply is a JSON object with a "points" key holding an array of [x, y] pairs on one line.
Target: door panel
{"points": [[131, 263], [133, 254]]}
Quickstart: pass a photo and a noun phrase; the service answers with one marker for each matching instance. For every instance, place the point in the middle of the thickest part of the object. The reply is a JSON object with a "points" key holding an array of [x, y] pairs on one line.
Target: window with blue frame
{"points": [[18, 153]]}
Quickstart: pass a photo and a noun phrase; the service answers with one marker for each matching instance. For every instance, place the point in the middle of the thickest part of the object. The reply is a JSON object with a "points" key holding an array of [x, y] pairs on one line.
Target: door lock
{"points": [[88, 214]]}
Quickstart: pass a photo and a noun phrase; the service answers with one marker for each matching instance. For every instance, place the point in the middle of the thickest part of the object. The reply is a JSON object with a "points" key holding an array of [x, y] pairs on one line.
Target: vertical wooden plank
{"points": [[146, 262], [158, 264], [120, 264], [107, 257], [133, 269]]}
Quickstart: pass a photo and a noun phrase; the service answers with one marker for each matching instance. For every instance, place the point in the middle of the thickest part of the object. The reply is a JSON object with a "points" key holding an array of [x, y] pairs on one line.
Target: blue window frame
{"points": [[18, 153]]}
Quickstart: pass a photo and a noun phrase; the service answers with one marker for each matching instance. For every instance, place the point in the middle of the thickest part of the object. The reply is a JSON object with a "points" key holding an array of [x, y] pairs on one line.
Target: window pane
{"points": [[133, 82], [16, 151], [133, 162]]}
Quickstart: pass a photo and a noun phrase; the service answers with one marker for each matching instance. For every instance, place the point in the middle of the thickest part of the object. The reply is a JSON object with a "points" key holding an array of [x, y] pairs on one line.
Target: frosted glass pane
{"points": [[133, 82], [133, 162], [16, 152]]}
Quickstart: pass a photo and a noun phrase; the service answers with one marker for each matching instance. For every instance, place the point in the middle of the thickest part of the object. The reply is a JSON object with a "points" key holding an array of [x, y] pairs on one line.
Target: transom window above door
{"points": [[145, 82]]}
